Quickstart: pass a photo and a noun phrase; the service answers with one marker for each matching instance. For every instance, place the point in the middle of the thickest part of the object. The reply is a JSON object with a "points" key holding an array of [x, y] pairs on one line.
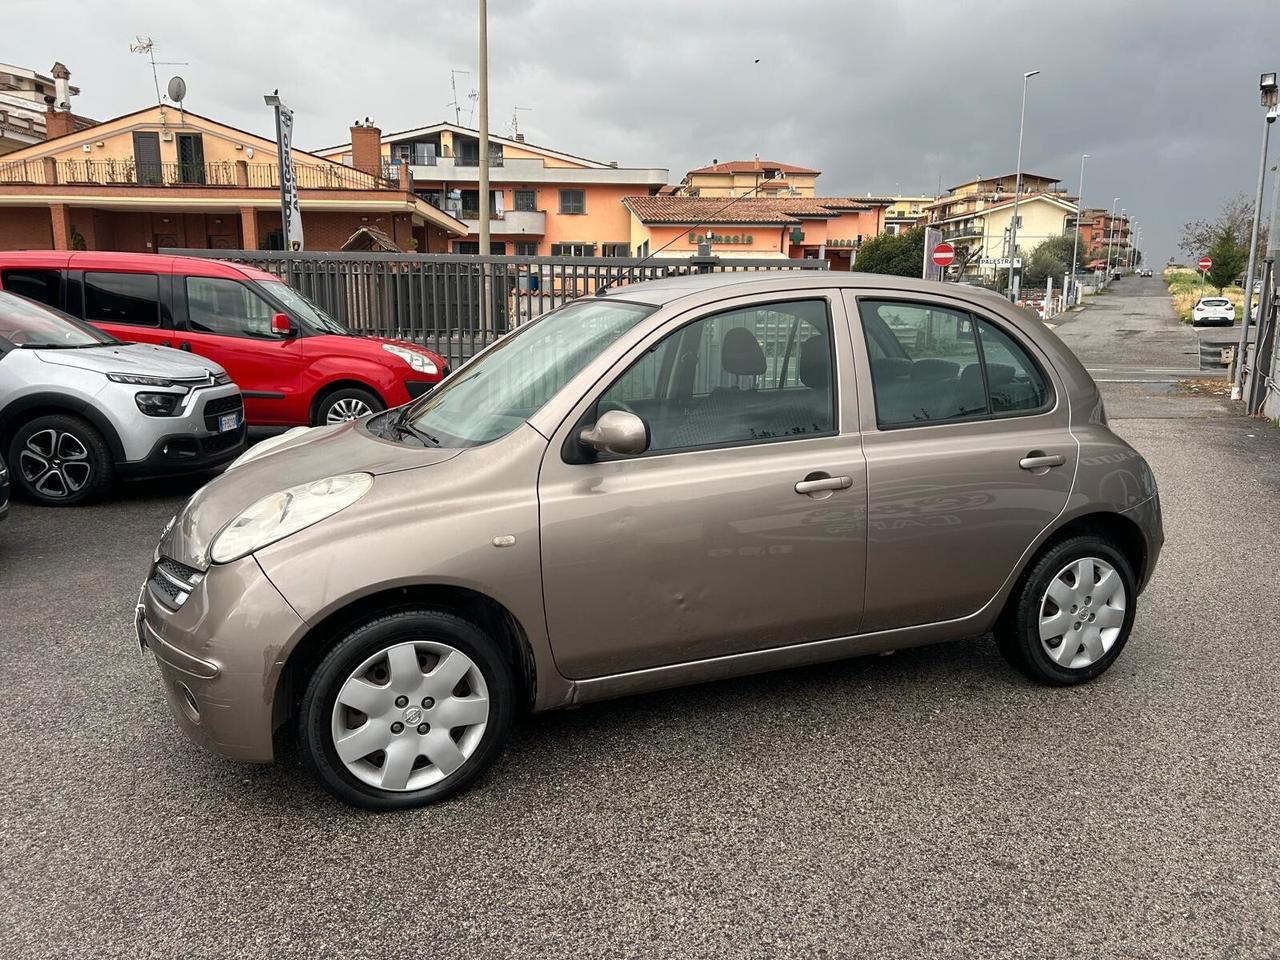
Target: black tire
{"points": [[60, 460], [1017, 633], [349, 395], [316, 713]]}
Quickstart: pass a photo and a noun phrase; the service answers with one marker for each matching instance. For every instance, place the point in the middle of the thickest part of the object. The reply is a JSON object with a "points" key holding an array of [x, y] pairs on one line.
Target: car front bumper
{"points": [[208, 431], [219, 654]]}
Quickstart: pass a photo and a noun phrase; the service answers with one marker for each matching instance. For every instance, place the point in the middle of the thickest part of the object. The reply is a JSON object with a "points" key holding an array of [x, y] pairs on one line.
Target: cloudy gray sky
{"points": [[881, 95]]}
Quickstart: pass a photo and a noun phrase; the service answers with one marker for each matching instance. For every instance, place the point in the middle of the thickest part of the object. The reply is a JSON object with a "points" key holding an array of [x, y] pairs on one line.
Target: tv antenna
{"points": [[148, 46], [457, 106], [515, 120]]}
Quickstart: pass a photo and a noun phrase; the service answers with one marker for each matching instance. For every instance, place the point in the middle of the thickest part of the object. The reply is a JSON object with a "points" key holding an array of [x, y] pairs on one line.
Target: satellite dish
{"points": [[177, 90]]}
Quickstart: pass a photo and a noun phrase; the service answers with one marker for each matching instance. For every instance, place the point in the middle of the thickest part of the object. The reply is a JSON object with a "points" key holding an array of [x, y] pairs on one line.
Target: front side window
{"points": [[526, 200], [227, 308], [510, 382], [750, 375], [44, 286], [132, 298], [299, 306], [934, 364], [573, 201]]}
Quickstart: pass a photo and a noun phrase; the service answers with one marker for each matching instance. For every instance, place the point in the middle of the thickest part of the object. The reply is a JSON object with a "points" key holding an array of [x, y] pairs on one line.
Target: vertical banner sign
{"points": [[930, 269], [290, 213]]}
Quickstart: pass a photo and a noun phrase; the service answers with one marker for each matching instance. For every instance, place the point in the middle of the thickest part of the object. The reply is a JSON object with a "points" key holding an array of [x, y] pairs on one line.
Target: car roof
{"points": [[150, 262], [734, 283]]}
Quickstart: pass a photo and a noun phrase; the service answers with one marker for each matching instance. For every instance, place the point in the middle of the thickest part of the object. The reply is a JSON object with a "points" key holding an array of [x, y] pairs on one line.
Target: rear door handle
{"points": [[1039, 461], [184, 346], [817, 484]]}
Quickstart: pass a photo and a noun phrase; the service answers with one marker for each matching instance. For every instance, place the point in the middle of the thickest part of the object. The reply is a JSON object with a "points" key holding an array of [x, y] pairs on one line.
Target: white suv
{"points": [[79, 407]]}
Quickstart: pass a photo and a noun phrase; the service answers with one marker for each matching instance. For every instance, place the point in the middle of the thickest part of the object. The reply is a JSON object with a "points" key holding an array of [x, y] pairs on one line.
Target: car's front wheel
{"points": [[350, 403], [60, 460], [407, 710], [1071, 614]]}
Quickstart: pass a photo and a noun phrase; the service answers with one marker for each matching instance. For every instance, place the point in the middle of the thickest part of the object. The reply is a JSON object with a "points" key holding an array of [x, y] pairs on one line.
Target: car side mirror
{"points": [[618, 432], [281, 325]]}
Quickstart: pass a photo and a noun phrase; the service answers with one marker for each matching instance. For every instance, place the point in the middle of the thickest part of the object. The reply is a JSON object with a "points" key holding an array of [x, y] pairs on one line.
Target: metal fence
{"points": [[437, 300]]}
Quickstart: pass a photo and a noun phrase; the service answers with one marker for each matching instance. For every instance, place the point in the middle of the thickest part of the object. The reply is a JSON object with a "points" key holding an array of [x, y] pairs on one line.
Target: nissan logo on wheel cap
{"points": [[412, 716]]}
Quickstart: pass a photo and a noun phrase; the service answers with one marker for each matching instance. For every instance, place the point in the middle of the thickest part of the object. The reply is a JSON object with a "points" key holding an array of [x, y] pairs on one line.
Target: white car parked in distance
{"points": [[1213, 312]]}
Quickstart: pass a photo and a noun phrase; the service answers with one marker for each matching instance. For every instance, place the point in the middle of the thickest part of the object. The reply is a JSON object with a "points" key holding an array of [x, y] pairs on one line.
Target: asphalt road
{"points": [[929, 803]]}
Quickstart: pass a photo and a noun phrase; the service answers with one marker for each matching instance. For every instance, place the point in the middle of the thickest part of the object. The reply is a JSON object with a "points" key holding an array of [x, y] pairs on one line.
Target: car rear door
{"points": [[132, 305], [230, 323], [742, 527], [969, 453]]}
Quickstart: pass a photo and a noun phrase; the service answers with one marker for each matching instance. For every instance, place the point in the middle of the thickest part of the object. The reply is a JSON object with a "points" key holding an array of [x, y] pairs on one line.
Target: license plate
{"points": [[228, 422]]}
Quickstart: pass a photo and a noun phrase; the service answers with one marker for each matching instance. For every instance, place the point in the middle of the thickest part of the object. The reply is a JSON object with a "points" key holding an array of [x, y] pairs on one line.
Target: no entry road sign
{"points": [[943, 254], [1206, 263]]}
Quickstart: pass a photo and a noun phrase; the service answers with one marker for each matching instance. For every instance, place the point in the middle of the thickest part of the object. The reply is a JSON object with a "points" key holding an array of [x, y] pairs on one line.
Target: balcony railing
{"points": [[227, 173]]}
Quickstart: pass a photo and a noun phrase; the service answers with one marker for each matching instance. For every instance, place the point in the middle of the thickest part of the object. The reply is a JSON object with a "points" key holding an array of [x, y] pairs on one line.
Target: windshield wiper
{"points": [[402, 425]]}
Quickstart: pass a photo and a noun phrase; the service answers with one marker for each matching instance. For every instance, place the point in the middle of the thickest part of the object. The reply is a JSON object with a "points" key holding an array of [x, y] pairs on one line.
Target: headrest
{"points": [[998, 374], [815, 362], [740, 354], [890, 368], [932, 369], [971, 376]]}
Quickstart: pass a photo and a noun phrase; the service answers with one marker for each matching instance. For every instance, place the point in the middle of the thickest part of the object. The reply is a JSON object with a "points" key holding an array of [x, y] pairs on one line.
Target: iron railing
{"points": [[224, 173], [439, 300]]}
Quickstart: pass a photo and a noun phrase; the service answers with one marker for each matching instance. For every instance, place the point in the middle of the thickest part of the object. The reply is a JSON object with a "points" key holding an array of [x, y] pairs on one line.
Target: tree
{"points": [[1236, 215], [1049, 258], [901, 255], [1229, 257]]}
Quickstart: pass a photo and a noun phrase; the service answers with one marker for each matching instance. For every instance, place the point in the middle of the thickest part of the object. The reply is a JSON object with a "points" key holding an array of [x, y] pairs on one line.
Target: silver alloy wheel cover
{"points": [[348, 408], [1087, 598], [55, 463], [442, 713]]}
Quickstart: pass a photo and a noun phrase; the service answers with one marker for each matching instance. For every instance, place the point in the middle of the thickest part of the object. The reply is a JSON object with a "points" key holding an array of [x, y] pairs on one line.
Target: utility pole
{"points": [[1270, 98], [1263, 351], [1014, 277], [483, 11], [1070, 292]]}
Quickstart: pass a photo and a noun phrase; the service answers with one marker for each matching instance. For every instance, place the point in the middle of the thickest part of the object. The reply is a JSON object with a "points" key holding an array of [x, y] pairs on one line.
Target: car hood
{"points": [[138, 358], [308, 456]]}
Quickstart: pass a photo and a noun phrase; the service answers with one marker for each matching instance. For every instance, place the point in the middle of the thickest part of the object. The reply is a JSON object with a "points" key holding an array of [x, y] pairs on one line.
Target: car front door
{"points": [[742, 526], [969, 454], [230, 323]]}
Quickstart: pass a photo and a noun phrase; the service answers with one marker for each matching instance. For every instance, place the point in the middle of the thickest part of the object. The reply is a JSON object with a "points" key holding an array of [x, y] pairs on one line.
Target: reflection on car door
{"points": [[953, 407], [703, 546], [229, 323]]}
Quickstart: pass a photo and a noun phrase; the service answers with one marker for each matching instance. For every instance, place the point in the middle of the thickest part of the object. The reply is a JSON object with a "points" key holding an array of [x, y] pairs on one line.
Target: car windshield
{"points": [[30, 325], [301, 307], [1214, 303], [504, 386]]}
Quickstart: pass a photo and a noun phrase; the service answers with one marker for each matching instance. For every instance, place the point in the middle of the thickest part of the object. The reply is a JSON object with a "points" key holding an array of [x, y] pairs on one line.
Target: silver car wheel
{"points": [[55, 463], [348, 408], [410, 715], [1082, 613]]}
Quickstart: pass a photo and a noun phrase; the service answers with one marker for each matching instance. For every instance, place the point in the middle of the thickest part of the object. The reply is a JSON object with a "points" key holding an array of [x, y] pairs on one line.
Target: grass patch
{"points": [[1185, 290]]}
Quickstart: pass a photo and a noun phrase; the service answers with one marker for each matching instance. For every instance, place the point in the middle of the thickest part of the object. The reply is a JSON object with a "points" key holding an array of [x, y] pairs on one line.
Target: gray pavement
{"points": [[929, 803]]}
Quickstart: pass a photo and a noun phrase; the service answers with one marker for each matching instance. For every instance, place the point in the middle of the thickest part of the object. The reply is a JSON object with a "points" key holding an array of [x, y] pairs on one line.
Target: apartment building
{"points": [[28, 98], [755, 177], [906, 212], [167, 177], [542, 201]]}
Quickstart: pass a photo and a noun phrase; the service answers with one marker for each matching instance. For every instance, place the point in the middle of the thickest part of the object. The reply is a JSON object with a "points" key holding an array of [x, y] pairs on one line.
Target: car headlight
{"points": [[419, 361], [265, 446], [158, 404], [283, 514], [138, 380]]}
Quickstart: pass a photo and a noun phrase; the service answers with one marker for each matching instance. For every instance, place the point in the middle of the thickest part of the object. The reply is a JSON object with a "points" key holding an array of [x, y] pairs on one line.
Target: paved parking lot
{"points": [[926, 803]]}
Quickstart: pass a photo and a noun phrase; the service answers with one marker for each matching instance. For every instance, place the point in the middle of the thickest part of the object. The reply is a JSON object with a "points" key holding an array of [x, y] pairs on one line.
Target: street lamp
{"points": [[1017, 190], [1111, 237], [1270, 91], [1075, 244]]}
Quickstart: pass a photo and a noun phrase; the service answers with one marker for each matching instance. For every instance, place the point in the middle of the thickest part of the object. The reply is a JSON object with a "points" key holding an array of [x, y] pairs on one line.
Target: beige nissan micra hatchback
{"points": [[662, 484]]}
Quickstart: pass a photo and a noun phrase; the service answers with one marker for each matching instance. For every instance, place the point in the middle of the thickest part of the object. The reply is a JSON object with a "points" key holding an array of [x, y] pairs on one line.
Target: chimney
{"points": [[756, 162], [519, 138], [366, 148], [58, 121]]}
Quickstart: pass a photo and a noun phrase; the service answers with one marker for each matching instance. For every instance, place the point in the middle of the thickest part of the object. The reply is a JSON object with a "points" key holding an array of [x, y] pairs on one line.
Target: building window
{"points": [[466, 246], [526, 200], [573, 249], [615, 250], [573, 201], [498, 248], [122, 298], [526, 248]]}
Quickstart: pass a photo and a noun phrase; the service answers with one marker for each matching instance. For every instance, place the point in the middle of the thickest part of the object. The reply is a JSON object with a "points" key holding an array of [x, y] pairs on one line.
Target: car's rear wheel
{"points": [[1071, 614], [350, 403], [60, 460], [407, 710]]}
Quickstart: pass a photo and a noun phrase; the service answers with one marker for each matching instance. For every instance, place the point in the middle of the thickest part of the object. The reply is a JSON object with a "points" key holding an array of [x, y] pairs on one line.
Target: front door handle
{"points": [[816, 483], [1036, 460]]}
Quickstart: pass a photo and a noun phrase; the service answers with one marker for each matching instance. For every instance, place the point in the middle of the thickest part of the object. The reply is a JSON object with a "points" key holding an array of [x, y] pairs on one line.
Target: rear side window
{"points": [[42, 286], [132, 298], [932, 364]]}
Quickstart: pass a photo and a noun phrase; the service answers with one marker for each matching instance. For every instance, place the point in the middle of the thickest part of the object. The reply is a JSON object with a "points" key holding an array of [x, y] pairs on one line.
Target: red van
{"points": [[294, 363]]}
